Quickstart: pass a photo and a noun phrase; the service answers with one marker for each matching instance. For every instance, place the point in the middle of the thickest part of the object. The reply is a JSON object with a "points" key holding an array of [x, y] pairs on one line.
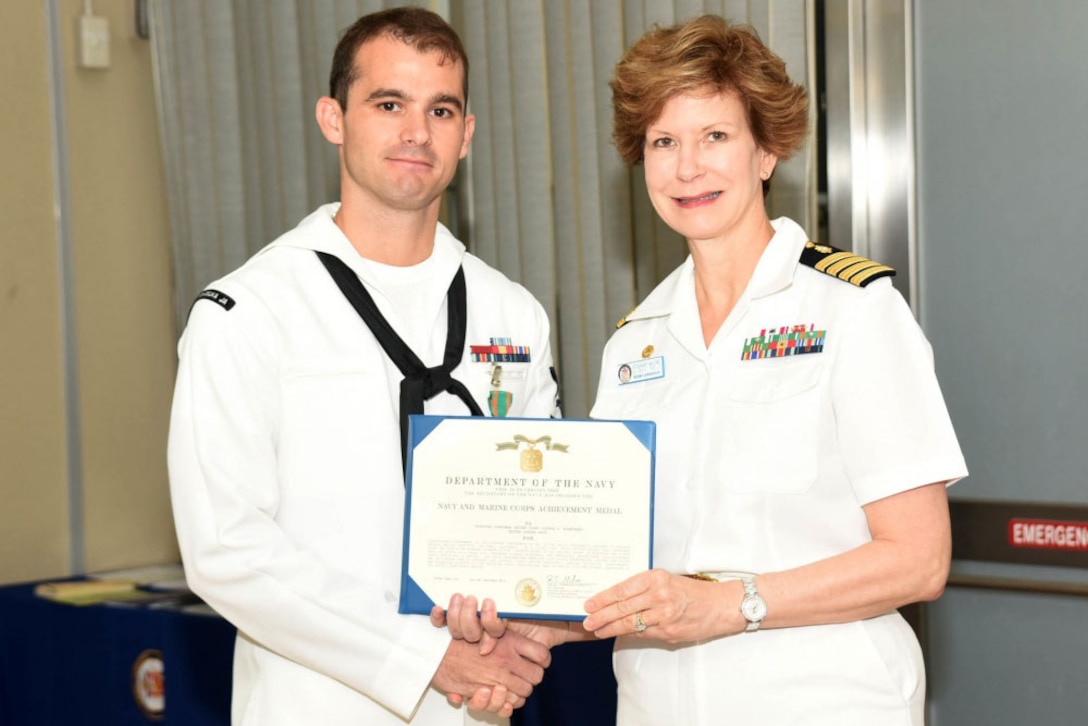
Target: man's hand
{"points": [[485, 627], [464, 623], [499, 681]]}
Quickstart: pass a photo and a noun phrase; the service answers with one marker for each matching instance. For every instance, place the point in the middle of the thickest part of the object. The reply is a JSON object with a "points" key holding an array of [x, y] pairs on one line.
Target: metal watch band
{"points": [[750, 591]]}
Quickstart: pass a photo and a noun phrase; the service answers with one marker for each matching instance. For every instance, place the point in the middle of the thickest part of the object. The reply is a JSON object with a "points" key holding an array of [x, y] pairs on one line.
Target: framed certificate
{"points": [[536, 514]]}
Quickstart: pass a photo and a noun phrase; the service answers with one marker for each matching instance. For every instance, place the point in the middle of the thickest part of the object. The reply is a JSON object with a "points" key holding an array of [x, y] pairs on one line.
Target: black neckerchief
{"points": [[420, 382]]}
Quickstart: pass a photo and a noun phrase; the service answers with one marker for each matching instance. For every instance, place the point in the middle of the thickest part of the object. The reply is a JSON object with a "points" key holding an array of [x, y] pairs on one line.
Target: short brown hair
{"points": [[423, 30], [703, 54]]}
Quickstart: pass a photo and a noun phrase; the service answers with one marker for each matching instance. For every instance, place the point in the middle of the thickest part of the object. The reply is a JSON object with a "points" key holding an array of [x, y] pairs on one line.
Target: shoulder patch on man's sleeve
{"points": [[221, 299], [855, 269]]}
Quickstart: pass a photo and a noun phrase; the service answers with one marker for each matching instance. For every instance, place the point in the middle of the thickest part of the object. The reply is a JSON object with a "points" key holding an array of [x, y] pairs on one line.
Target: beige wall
{"points": [[33, 512], [124, 341]]}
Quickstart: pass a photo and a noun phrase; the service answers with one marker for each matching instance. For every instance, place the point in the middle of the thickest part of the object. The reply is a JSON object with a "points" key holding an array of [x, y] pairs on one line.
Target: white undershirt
{"points": [[405, 297]]}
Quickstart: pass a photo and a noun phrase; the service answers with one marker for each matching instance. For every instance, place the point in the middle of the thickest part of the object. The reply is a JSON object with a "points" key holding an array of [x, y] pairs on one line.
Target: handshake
{"points": [[492, 664]]}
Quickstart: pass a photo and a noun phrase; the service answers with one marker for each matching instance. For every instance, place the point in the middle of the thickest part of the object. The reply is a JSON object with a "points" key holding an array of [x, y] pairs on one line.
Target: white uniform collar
{"points": [[319, 232], [774, 272]]}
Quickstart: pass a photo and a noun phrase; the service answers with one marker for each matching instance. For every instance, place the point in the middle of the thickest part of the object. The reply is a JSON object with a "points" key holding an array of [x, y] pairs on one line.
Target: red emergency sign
{"points": [[1048, 534]]}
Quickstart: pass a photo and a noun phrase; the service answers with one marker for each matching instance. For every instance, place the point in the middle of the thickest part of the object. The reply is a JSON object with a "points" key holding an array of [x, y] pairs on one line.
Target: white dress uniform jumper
{"points": [[286, 467]]}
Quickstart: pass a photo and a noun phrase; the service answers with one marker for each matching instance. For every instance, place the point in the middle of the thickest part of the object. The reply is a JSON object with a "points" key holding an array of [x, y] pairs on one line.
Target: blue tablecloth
{"points": [[63, 664]]}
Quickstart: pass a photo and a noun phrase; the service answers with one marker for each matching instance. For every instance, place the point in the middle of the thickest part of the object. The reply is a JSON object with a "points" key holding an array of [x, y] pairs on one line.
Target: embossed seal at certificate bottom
{"points": [[528, 591]]}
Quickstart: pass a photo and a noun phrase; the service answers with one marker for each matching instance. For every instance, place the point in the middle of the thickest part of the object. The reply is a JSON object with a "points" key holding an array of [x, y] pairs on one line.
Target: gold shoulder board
{"points": [[847, 266]]}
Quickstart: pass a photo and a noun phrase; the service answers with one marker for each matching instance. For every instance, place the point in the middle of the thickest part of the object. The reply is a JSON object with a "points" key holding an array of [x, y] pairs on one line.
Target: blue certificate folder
{"points": [[535, 514]]}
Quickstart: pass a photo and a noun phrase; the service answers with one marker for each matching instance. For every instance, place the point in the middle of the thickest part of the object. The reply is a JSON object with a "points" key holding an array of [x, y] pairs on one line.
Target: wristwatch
{"points": [[753, 607]]}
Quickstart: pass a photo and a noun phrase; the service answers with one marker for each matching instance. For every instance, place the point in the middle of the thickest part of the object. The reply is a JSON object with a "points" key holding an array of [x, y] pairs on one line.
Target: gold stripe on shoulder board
{"points": [[846, 266], [623, 321]]}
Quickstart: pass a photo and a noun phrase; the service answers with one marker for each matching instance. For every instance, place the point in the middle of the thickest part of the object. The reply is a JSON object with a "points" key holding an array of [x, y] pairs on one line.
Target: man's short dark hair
{"points": [[422, 29]]}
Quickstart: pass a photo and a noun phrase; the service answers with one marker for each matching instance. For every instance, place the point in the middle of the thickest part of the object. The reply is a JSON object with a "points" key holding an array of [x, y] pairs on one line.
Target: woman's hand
{"points": [[660, 605], [906, 561], [548, 633]]}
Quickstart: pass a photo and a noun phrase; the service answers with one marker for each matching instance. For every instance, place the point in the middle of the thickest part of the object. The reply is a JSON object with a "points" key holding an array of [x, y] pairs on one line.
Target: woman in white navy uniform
{"points": [[804, 446]]}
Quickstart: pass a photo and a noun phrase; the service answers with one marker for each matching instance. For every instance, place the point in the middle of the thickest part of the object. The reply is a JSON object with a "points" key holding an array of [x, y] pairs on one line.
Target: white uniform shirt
{"points": [[286, 479], [764, 465]]}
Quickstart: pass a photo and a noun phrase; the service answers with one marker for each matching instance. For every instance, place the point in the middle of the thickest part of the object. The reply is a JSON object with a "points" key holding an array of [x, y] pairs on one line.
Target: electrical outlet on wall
{"points": [[94, 42]]}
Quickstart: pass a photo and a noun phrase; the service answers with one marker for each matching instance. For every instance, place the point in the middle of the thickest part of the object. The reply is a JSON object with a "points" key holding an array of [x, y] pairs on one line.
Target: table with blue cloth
{"points": [[65, 664]]}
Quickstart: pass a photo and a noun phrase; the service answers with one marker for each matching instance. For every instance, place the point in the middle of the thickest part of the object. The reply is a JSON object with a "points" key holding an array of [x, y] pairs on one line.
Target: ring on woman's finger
{"points": [[640, 626]]}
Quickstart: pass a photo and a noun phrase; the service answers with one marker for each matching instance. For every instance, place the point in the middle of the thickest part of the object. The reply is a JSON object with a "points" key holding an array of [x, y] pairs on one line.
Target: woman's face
{"points": [[704, 170]]}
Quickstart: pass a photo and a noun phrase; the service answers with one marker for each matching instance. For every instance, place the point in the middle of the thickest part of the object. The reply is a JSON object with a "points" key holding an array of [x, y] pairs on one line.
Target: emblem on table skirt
{"points": [[149, 684], [532, 458], [784, 341]]}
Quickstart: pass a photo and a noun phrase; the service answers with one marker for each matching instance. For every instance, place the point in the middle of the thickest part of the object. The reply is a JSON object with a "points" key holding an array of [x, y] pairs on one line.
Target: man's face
{"points": [[404, 129]]}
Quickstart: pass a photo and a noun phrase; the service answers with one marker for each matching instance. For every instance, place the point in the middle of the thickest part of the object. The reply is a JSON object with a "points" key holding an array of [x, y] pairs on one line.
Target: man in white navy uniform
{"points": [[285, 452]]}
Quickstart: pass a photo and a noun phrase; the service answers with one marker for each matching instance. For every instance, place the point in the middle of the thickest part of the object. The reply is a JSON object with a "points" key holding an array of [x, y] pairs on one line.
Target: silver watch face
{"points": [[753, 608]]}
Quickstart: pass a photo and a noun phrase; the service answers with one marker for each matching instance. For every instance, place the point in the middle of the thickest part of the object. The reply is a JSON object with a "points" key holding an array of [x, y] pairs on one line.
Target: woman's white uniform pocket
{"points": [[767, 435]]}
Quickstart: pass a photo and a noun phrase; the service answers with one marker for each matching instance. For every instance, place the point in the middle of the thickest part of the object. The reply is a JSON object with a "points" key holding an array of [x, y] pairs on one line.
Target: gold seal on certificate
{"points": [[536, 514], [528, 592]]}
